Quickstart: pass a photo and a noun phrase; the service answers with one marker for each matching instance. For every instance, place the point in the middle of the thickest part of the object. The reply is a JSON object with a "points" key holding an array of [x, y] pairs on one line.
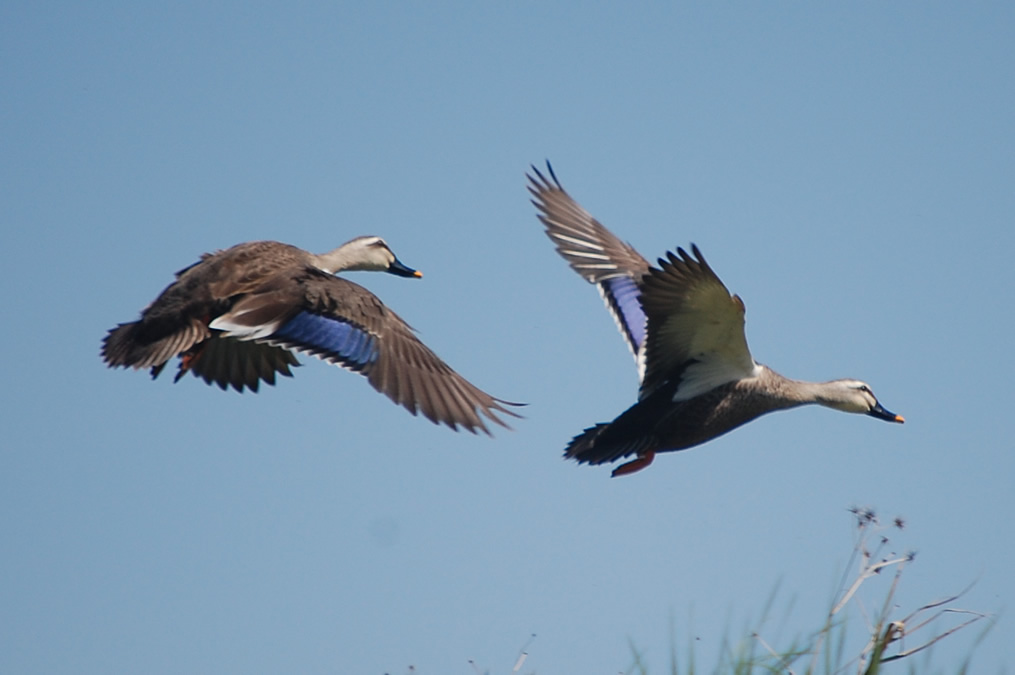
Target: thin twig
{"points": [[908, 652], [867, 573]]}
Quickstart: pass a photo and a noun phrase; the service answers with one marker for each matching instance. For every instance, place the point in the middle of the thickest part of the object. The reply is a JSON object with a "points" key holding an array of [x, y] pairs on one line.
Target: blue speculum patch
{"points": [[624, 296], [350, 343]]}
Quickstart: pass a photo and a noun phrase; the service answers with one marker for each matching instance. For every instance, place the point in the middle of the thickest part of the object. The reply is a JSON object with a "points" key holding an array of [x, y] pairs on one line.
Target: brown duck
{"points": [[698, 378], [237, 317]]}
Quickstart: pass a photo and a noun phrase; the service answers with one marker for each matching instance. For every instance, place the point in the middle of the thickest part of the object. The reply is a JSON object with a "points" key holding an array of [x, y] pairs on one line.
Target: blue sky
{"points": [[846, 168]]}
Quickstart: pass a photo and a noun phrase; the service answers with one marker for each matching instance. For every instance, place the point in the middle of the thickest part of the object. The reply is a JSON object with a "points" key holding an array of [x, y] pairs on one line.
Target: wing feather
{"points": [[695, 327], [347, 325], [595, 253]]}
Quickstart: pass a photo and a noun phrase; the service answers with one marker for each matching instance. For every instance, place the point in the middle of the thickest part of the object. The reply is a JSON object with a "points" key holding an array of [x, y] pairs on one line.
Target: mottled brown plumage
{"points": [[236, 317]]}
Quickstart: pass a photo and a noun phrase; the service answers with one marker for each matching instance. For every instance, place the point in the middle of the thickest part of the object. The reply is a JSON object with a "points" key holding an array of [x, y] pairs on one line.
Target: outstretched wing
{"points": [[695, 328], [344, 324], [596, 254]]}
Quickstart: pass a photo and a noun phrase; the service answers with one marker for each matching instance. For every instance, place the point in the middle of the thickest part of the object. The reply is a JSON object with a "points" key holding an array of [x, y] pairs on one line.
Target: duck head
{"points": [[856, 397]]}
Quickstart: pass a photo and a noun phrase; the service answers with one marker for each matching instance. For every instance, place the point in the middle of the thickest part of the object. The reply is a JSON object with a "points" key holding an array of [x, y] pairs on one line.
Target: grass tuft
{"points": [[889, 639]]}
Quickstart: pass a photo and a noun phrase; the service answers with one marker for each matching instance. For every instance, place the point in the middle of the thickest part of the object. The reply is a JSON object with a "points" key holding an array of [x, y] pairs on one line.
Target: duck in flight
{"points": [[686, 331], [238, 316]]}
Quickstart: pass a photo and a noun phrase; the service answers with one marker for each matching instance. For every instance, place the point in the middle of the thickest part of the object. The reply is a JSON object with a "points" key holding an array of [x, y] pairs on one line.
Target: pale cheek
{"points": [[857, 407]]}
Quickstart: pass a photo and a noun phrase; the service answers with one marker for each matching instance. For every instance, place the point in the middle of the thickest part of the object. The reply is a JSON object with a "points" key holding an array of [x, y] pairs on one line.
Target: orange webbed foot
{"points": [[634, 465]]}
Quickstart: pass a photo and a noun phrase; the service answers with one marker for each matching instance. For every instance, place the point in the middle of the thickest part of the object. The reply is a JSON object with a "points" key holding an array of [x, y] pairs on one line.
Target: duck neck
{"points": [[793, 393], [333, 261]]}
